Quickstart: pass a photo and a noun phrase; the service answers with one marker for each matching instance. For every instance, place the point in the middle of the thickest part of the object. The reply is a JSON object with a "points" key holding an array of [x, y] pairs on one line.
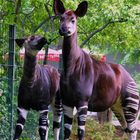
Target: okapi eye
{"points": [[32, 38], [73, 21]]}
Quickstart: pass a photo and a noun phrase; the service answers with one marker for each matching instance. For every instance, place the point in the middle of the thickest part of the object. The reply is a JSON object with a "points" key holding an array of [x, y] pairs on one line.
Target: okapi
{"points": [[38, 87], [89, 84]]}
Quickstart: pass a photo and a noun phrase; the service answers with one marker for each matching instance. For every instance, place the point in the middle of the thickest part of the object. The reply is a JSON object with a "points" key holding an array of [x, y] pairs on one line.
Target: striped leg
{"points": [[68, 118], [57, 115], [131, 110], [43, 124], [22, 114], [82, 115], [119, 112]]}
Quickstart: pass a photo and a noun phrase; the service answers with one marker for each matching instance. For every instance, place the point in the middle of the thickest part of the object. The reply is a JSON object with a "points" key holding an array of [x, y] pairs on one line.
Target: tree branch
{"points": [[50, 17], [18, 6], [100, 29], [43, 22]]}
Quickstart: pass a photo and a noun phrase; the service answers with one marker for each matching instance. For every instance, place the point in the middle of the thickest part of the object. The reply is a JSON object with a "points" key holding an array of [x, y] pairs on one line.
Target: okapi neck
{"points": [[29, 66], [70, 52]]}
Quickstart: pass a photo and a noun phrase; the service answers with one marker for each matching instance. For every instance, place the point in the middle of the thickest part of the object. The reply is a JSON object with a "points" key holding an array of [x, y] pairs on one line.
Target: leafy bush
{"points": [[137, 79]]}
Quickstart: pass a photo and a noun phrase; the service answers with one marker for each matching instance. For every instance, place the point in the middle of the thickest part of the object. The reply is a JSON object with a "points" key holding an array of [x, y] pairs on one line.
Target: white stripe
{"points": [[57, 118], [132, 99], [44, 127], [20, 125], [132, 82], [132, 136], [23, 112], [68, 111], [133, 106], [82, 107], [46, 138], [132, 92], [68, 126], [83, 117], [132, 125], [56, 133], [131, 120], [132, 87], [82, 127], [42, 111], [130, 114]]}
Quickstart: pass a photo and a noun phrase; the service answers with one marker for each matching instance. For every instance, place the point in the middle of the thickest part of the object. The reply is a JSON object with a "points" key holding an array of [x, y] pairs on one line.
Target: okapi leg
{"points": [[57, 116], [119, 113], [43, 124], [68, 118], [22, 114], [131, 108], [105, 116], [82, 115]]}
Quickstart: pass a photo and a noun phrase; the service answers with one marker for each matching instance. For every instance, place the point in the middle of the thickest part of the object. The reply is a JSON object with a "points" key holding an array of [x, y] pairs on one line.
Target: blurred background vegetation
{"points": [[110, 27]]}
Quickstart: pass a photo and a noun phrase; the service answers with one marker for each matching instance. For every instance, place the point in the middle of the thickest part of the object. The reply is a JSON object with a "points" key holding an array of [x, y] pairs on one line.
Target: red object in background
{"points": [[40, 56], [53, 55]]}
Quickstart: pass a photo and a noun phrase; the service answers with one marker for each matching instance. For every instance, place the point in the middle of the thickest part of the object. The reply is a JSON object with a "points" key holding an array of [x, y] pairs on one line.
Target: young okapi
{"points": [[38, 86], [89, 84]]}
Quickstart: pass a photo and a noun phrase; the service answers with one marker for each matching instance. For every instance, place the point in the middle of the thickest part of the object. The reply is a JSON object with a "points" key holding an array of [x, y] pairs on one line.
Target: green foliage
{"points": [[122, 34], [136, 76], [4, 113]]}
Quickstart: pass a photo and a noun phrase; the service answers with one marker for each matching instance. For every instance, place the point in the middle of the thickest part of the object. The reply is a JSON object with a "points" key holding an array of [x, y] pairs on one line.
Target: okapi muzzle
{"points": [[41, 43], [35, 42]]}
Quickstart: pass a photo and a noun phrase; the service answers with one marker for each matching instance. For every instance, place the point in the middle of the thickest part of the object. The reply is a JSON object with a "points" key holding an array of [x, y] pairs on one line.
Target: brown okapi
{"points": [[38, 87], [89, 84]]}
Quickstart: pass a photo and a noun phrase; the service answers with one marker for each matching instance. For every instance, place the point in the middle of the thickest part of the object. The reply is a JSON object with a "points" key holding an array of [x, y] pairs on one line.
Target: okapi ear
{"points": [[20, 42], [58, 7], [81, 9]]}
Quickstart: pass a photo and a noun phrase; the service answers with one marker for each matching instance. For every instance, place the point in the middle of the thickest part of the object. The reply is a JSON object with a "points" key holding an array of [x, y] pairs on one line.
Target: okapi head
{"points": [[68, 21], [32, 44]]}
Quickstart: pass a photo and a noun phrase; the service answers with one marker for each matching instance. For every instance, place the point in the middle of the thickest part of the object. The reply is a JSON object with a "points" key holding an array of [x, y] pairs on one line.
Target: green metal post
{"points": [[11, 73]]}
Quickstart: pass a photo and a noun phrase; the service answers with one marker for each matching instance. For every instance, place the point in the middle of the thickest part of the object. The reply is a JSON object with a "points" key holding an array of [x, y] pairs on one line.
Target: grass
{"points": [[95, 131]]}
